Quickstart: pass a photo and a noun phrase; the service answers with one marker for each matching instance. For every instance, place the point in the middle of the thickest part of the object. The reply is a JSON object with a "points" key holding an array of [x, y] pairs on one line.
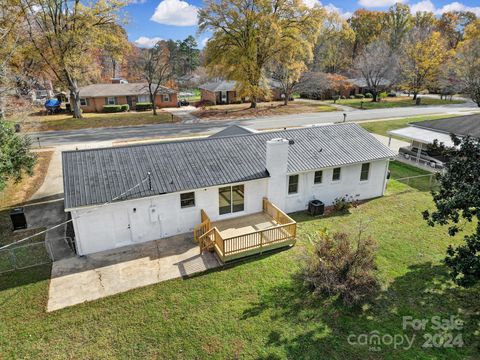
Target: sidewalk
{"points": [[184, 113]]}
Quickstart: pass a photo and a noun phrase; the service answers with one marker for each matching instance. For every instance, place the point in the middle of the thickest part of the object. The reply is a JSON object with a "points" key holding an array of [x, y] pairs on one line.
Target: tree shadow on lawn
{"points": [[320, 328]]}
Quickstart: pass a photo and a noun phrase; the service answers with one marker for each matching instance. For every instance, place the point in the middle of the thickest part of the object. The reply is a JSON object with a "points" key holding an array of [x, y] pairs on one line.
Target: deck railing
{"points": [[202, 228], [254, 242]]}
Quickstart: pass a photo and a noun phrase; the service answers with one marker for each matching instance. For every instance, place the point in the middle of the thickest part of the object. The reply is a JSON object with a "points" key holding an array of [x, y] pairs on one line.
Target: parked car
{"points": [[434, 160]]}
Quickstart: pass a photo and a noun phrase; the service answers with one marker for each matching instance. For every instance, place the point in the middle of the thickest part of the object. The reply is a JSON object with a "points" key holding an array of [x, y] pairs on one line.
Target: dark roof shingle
{"points": [[460, 126], [97, 176]]}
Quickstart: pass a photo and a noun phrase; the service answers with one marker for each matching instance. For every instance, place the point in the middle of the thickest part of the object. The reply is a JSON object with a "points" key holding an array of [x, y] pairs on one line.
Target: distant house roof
{"points": [[363, 84], [219, 85], [233, 130], [97, 176], [461, 125], [230, 85], [127, 89]]}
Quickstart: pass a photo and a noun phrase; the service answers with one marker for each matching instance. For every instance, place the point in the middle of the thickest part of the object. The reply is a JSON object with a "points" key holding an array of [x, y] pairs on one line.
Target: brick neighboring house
{"points": [[94, 97], [224, 92]]}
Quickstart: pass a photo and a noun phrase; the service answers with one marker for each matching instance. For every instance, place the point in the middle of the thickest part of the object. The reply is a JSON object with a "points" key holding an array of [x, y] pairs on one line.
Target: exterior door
{"points": [[145, 224], [130, 102]]}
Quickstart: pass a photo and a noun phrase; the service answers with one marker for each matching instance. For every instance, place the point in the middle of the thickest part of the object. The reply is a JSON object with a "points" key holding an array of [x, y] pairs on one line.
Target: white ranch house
{"points": [[234, 191]]}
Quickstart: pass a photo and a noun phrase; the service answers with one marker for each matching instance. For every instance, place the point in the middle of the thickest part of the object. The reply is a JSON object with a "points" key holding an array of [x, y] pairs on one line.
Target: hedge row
{"points": [[115, 108], [143, 106]]}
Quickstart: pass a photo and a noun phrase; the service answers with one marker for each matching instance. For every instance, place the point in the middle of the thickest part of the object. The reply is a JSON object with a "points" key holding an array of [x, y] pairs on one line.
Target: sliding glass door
{"points": [[231, 199]]}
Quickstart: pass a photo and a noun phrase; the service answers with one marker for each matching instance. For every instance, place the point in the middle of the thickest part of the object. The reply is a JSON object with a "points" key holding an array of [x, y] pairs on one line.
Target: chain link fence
{"points": [[426, 182], [24, 256]]}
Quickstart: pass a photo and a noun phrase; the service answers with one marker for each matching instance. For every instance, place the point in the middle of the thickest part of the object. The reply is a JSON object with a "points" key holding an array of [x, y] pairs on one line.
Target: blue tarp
{"points": [[52, 103]]}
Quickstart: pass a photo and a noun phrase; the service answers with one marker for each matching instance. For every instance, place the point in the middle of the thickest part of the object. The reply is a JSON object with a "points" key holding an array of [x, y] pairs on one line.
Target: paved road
{"points": [[56, 138]]}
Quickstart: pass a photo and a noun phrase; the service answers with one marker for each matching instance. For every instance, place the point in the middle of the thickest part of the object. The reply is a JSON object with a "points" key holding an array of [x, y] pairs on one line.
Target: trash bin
{"points": [[316, 207], [18, 218]]}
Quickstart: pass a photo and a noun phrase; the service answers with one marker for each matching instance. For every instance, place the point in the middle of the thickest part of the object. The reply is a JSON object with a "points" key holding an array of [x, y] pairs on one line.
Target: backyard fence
{"points": [[31, 254], [426, 182]]}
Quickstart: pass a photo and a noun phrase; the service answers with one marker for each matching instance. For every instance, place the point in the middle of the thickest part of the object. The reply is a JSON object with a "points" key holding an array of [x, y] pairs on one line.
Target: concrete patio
{"points": [[80, 279]]}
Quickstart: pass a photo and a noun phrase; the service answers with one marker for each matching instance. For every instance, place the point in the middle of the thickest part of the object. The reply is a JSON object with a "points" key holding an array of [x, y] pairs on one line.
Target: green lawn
{"points": [[56, 122], [257, 309], [400, 101], [382, 127]]}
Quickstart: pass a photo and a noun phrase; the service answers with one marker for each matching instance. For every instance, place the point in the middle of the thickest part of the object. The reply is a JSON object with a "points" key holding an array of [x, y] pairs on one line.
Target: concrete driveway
{"points": [[80, 279]]}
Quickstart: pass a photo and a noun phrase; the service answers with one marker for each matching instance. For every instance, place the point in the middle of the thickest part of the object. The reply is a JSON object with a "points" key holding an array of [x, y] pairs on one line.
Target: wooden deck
{"points": [[246, 235]]}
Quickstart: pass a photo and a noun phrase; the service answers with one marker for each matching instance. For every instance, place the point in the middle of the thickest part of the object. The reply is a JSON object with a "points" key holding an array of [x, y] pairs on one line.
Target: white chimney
{"points": [[276, 164]]}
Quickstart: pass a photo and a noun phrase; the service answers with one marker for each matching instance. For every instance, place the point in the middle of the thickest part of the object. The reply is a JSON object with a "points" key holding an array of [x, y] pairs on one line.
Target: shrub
{"points": [[112, 108], [352, 97], [143, 106], [344, 203], [382, 95], [342, 265], [125, 107], [203, 103], [359, 96], [392, 94], [369, 95]]}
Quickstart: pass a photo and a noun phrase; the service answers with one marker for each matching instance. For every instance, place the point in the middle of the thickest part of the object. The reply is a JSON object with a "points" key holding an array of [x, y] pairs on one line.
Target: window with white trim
{"points": [[143, 98], [336, 174], [83, 102], [187, 200], [166, 97], [293, 184], [111, 100], [318, 177], [364, 172]]}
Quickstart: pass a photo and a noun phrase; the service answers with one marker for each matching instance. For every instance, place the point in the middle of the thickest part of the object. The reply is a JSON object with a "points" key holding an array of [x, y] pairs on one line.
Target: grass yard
{"points": [[382, 127], [238, 111], [399, 101], [258, 309], [34, 123]]}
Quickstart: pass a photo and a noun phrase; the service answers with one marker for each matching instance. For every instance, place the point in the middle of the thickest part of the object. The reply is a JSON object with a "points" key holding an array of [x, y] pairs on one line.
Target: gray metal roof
{"points": [[220, 85], [98, 175], [233, 130], [127, 89], [461, 125]]}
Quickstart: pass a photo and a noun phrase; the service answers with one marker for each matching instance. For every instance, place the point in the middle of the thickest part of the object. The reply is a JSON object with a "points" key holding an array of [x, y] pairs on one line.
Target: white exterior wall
{"points": [[156, 217], [117, 224], [328, 190]]}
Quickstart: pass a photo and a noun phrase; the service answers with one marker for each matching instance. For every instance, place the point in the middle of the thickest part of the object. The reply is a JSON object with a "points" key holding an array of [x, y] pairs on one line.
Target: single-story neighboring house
{"points": [[422, 133], [169, 188], [359, 86], [224, 92], [94, 97]]}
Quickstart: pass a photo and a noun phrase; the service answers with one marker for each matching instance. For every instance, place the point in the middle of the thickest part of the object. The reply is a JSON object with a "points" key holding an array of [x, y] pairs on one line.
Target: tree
{"points": [[424, 22], [287, 76], [398, 22], [66, 33], [16, 159], [377, 66], [334, 46], [421, 61], [367, 26], [10, 35], [459, 198], [157, 69], [467, 62], [452, 26], [249, 34]]}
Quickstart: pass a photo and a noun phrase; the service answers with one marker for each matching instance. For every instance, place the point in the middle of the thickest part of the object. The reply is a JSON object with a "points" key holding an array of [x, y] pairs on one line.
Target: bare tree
{"points": [[157, 69], [377, 66]]}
